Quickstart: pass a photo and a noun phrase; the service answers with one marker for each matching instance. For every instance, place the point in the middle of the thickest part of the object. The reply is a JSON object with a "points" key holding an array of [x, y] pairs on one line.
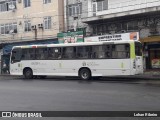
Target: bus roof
{"points": [[75, 44]]}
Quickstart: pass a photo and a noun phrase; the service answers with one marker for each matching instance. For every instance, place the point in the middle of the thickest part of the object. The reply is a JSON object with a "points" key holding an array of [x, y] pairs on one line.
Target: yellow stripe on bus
{"points": [[132, 51]]}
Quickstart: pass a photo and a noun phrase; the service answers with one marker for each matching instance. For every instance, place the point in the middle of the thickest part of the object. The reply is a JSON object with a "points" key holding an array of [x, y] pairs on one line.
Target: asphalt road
{"points": [[66, 94]]}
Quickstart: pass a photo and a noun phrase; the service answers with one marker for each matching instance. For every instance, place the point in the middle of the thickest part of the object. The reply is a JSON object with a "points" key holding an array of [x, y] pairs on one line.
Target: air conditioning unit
{"points": [[19, 1], [33, 27], [40, 25], [12, 7]]}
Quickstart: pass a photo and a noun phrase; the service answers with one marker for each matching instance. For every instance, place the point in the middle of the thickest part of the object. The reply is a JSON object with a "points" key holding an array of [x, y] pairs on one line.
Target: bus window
{"points": [[120, 51], [98, 51], [25, 54], [69, 52], [83, 52], [31, 53], [101, 52], [41, 53], [108, 51], [16, 55], [54, 53], [138, 49]]}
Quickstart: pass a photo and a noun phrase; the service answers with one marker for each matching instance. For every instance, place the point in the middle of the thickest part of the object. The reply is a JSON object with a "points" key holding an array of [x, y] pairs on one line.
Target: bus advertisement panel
{"points": [[113, 37]]}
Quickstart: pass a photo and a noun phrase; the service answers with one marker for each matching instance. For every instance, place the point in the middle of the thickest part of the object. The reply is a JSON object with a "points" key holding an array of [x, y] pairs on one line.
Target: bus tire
{"points": [[28, 73], [85, 74]]}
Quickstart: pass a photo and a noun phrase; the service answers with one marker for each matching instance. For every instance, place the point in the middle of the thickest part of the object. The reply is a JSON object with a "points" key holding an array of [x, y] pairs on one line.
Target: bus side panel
{"points": [[103, 67], [109, 67]]}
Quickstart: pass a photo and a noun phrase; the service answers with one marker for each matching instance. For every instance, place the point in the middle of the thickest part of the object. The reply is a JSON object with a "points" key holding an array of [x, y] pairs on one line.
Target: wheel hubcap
{"points": [[84, 75], [28, 73]]}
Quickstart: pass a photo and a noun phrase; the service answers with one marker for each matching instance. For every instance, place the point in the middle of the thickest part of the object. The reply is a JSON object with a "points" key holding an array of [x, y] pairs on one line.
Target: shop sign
{"points": [[155, 63], [114, 37], [71, 37]]}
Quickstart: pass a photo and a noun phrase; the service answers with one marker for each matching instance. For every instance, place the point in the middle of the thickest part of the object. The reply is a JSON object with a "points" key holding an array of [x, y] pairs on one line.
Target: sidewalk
{"points": [[150, 74]]}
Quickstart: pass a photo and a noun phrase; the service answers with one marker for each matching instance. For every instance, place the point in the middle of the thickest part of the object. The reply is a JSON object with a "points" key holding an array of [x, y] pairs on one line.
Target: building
{"points": [[74, 12], [122, 16], [27, 21]]}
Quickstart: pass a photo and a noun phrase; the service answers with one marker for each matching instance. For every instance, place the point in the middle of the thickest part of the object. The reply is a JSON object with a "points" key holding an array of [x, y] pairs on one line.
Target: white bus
{"points": [[86, 60]]}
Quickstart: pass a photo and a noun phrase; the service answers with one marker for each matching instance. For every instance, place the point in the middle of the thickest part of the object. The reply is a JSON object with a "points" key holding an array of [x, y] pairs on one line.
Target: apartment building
{"points": [[125, 16], [29, 20]]}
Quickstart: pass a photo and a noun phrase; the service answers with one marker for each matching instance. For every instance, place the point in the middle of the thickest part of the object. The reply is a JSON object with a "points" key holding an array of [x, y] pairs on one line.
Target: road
{"points": [[68, 94]]}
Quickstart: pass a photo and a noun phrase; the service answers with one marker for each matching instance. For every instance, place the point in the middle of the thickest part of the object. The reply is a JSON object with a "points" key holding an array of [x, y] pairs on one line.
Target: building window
{"points": [[102, 5], [47, 22], [46, 1], [6, 6], [132, 25], [94, 30], [3, 7], [27, 3], [2, 29], [27, 25], [8, 28], [14, 27], [75, 9]]}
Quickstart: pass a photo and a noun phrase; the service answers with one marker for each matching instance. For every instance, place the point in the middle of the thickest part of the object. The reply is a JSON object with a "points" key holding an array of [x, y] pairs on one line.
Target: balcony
{"points": [[128, 8]]}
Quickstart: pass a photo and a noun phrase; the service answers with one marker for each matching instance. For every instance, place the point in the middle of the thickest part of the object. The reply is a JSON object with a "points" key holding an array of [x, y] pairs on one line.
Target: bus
{"points": [[85, 60]]}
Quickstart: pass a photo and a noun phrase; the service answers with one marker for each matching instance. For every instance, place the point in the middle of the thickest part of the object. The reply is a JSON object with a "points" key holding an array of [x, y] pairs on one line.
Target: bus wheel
{"points": [[85, 74], [28, 74]]}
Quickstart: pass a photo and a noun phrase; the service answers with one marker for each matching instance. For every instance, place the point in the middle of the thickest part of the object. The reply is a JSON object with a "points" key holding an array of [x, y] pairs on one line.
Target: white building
{"points": [[123, 16]]}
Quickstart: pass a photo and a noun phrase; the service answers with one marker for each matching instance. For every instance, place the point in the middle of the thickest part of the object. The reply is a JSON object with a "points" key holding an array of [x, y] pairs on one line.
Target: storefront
{"points": [[151, 52]]}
